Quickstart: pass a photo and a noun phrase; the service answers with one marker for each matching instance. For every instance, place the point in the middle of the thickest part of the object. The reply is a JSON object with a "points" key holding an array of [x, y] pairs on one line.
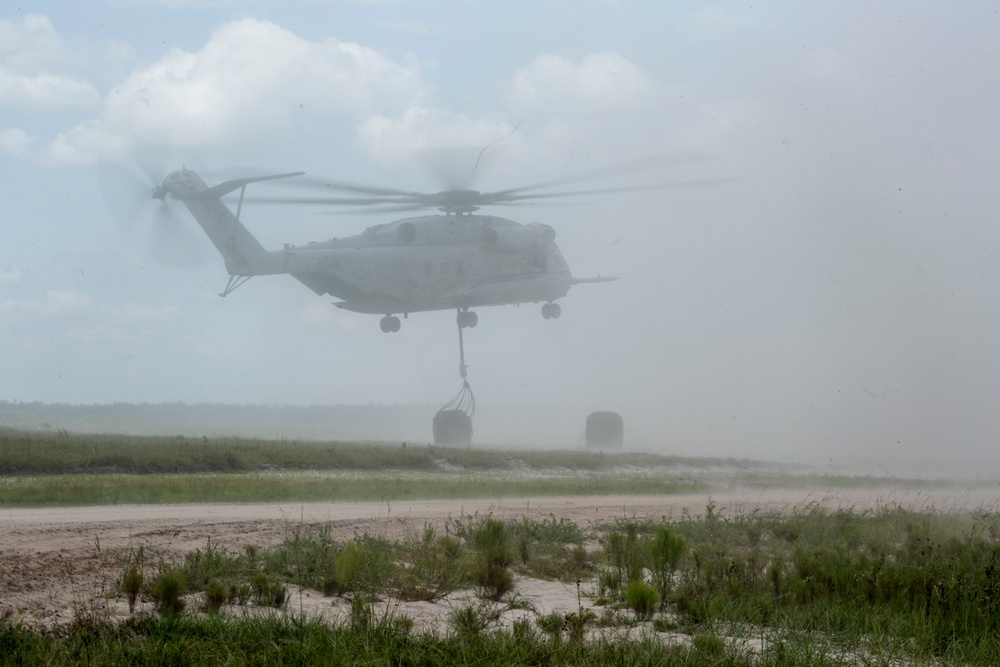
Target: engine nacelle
{"points": [[519, 239]]}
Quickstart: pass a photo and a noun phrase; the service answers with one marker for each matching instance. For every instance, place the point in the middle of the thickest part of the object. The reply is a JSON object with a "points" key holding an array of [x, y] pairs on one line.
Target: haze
{"points": [[837, 298]]}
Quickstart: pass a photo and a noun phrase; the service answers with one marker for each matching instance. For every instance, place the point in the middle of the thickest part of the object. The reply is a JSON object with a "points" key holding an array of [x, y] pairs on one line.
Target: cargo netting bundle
{"points": [[605, 429], [453, 422]]}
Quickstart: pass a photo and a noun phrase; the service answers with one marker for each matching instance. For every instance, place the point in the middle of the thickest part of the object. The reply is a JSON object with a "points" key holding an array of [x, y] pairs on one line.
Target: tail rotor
{"points": [[147, 215]]}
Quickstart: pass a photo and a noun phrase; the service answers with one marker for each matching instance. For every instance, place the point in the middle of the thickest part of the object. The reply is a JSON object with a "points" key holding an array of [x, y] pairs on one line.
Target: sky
{"points": [[835, 294]]}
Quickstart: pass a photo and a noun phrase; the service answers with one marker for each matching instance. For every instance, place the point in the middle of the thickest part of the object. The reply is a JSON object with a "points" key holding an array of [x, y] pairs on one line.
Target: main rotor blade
{"points": [[392, 199], [632, 167], [374, 211], [332, 201], [341, 186], [502, 198]]}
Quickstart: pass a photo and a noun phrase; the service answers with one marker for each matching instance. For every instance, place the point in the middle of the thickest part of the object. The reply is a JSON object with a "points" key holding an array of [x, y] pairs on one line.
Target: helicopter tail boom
{"points": [[238, 247]]}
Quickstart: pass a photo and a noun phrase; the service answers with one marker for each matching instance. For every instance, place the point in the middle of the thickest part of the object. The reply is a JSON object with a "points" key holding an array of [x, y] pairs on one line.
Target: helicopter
{"points": [[458, 259]]}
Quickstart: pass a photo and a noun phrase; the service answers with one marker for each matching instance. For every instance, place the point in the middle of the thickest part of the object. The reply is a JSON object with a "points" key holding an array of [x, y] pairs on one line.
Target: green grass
{"points": [[186, 640], [886, 586], [38, 469], [65, 490], [36, 453], [886, 580]]}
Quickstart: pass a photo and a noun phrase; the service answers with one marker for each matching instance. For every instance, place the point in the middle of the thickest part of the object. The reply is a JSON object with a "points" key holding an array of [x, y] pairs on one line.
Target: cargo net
{"points": [[453, 422]]}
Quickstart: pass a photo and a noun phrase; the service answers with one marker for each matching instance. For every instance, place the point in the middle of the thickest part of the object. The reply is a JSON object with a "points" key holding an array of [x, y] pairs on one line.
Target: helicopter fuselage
{"points": [[458, 260], [425, 263]]}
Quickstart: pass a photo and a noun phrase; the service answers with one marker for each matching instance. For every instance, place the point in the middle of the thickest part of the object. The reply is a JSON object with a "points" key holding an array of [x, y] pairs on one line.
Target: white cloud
{"points": [[10, 277], [45, 91], [602, 109], [600, 82], [389, 139], [7, 305], [609, 109], [33, 51], [59, 301], [31, 44], [242, 91]]}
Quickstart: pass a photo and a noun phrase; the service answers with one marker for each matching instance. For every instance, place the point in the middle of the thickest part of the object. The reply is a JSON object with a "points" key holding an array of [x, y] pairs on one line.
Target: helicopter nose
{"points": [[159, 192]]}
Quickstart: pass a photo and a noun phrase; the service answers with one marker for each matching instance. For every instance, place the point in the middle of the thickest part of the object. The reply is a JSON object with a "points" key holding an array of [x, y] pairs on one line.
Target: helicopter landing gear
{"points": [[389, 324], [551, 311], [467, 319]]}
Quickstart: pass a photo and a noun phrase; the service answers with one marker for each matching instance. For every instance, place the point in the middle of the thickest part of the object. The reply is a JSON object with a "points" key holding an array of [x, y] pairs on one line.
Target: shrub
{"points": [[216, 594], [434, 570], [552, 624], [492, 573], [268, 593], [167, 591], [493, 580], [132, 585], [643, 599], [624, 551], [666, 548], [348, 567], [469, 622], [577, 622]]}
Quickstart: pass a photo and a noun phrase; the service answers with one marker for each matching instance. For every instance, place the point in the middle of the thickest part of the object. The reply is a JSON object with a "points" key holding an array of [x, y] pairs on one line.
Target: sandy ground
{"points": [[56, 563]]}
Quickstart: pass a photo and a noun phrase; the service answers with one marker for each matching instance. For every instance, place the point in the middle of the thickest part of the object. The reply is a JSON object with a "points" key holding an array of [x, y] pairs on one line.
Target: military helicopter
{"points": [[458, 259]]}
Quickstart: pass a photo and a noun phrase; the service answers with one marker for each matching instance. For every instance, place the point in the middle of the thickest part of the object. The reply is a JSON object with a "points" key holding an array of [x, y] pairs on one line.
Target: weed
{"points": [[576, 623], [242, 592], [609, 583], [666, 549], [710, 645], [492, 570], [269, 593], [434, 567], [472, 621], [217, 594], [643, 599], [362, 614], [167, 590], [624, 552], [132, 585], [552, 624], [663, 624]]}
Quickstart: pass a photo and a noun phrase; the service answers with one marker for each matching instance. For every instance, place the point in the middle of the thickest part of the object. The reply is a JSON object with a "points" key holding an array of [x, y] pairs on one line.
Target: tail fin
{"points": [[234, 241]]}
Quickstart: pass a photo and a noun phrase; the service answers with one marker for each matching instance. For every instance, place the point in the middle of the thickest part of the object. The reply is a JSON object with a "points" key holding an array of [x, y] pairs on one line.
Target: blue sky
{"points": [[838, 296]]}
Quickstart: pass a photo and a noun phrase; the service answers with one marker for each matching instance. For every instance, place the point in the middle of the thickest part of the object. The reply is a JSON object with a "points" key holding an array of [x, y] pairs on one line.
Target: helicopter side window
{"points": [[428, 269], [444, 268], [538, 262]]}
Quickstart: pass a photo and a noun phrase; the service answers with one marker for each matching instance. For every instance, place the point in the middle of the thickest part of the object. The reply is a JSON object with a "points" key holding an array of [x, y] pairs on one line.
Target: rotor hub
{"points": [[459, 201]]}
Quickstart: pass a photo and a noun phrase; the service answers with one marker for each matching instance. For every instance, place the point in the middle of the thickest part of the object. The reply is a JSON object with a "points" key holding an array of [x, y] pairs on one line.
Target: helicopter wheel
{"points": [[389, 324], [467, 319], [551, 311]]}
